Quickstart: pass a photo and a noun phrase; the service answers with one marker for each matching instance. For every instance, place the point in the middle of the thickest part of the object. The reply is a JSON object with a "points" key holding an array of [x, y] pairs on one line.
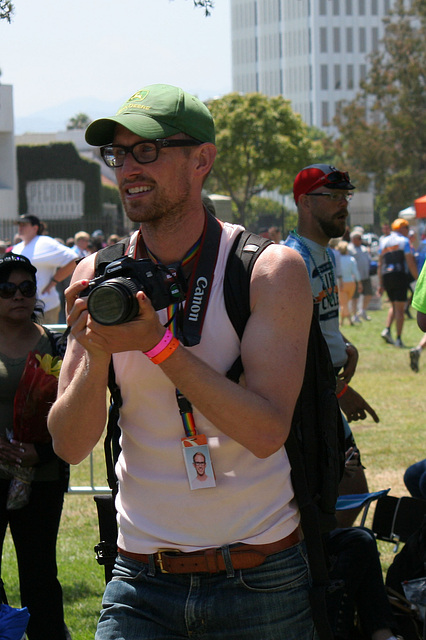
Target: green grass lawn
{"points": [[383, 377]]}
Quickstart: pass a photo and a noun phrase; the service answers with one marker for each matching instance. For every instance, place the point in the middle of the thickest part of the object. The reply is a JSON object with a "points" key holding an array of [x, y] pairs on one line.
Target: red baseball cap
{"points": [[320, 175]]}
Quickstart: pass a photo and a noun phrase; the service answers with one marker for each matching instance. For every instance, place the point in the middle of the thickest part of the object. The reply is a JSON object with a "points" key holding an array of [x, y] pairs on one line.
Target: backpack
{"points": [[315, 445], [406, 583]]}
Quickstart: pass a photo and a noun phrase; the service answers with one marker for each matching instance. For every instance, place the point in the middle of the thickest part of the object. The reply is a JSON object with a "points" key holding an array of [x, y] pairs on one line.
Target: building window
{"points": [[349, 40], [323, 40], [350, 76], [323, 7], [336, 11], [325, 114], [361, 8], [374, 7], [387, 6], [336, 39], [375, 38], [362, 72], [348, 7], [337, 77], [324, 77], [362, 40]]}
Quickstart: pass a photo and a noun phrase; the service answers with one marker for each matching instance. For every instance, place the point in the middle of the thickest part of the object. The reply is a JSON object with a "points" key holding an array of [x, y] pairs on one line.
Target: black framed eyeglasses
{"points": [[334, 196], [9, 289], [143, 152]]}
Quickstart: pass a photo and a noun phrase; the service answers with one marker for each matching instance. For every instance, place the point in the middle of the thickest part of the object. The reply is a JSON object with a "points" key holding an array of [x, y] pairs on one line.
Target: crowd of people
{"points": [[368, 274], [217, 552]]}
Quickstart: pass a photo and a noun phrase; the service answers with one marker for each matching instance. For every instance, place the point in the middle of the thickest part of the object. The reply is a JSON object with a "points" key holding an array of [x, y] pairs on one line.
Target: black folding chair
{"points": [[395, 519]]}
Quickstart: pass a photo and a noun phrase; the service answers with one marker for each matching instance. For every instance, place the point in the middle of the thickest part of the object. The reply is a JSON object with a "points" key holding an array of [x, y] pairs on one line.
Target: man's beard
{"points": [[332, 228], [163, 207]]}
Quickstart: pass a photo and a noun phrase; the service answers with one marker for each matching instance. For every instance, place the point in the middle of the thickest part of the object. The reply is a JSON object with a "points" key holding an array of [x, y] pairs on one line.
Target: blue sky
{"points": [[95, 53]]}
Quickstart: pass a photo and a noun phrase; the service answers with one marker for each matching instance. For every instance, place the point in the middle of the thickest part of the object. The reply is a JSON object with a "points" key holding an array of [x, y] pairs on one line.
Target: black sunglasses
{"points": [[337, 176], [9, 289]]}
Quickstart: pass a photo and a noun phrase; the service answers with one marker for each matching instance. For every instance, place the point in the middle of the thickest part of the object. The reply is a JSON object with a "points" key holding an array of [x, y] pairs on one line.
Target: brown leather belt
{"points": [[243, 556]]}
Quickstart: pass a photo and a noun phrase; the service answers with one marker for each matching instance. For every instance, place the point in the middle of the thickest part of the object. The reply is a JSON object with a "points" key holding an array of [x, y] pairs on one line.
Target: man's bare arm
{"points": [[77, 419]]}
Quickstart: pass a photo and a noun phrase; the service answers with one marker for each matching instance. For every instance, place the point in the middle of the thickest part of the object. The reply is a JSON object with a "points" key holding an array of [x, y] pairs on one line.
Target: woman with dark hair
{"points": [[32, 478]]}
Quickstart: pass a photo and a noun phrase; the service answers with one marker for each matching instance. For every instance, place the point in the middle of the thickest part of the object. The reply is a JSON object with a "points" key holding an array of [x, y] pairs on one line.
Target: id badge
{"points": [[198, 463]]}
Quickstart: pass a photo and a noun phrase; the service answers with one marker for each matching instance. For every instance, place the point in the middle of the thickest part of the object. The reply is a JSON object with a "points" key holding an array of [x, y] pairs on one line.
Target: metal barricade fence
{"points": [[91, 488]]}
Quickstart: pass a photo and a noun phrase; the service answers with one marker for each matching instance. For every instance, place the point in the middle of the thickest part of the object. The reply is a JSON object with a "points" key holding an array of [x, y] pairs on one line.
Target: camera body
{"points": [[111, 297]]}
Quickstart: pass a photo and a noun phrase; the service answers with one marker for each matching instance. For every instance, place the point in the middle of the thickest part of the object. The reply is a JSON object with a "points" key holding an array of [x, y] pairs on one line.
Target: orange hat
{"points": [[398, 224]]}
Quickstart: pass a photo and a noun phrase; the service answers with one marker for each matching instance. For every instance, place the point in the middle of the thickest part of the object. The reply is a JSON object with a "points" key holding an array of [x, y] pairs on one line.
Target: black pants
{"points": [[34, 530], [357, 584]]}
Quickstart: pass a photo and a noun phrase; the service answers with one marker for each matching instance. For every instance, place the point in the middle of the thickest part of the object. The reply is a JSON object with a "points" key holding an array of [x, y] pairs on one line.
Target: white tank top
{"points": [[253, 498]]}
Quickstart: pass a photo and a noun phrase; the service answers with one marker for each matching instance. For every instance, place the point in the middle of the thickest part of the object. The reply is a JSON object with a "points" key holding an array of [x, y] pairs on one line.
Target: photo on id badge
{"points": [[198, 462]]}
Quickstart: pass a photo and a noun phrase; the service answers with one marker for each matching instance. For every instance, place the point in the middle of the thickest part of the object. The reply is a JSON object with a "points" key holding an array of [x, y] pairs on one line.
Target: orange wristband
{"points": [[166, 352]]}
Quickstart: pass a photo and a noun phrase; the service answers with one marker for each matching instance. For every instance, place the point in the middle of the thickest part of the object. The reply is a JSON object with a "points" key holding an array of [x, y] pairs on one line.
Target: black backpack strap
{"points": [[109, 254], [111, 442], [246, 249], [58, 341], [317, 556]]}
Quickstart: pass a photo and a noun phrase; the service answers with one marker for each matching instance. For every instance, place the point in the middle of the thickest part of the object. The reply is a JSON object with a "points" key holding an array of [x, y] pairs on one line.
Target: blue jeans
{"points": [[269, 602]]}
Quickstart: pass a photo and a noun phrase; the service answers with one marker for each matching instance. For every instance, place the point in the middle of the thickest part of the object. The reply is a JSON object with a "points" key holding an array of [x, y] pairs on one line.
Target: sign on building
{"points": [[55, 199]]}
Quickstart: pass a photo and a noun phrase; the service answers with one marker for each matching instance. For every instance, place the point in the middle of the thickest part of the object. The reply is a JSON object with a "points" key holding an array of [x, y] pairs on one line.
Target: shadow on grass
{"points": [[79, 590]]}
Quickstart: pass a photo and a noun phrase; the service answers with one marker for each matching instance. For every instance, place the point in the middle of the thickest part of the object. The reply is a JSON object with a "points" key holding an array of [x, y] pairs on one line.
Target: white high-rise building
{"points": [[313, 52]]}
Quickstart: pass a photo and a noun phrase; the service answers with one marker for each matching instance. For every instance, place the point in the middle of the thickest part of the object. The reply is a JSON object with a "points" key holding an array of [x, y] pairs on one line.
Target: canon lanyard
{"points": [[189, 327]]}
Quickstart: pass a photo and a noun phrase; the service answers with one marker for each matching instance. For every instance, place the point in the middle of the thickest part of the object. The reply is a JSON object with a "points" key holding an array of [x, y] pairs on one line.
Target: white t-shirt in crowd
{"points": [[47, 255]]}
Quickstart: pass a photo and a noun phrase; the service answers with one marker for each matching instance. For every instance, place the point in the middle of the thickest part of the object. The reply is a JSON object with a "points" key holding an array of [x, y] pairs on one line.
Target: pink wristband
{"points": [[165, 340]]}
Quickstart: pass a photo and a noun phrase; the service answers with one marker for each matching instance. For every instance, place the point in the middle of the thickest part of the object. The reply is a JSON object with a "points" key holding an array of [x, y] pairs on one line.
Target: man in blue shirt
{"points": [[321, 193]]}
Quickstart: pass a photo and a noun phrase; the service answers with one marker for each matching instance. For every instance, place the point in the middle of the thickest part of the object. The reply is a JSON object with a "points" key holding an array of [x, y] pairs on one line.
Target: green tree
{"points": [[6, 10], [79, 121], [383, 135], [261, 145], [206, 4]]}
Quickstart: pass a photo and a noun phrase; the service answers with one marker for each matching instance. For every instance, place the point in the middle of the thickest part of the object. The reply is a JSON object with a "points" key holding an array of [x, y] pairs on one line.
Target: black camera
{"points": [[112, 296]]}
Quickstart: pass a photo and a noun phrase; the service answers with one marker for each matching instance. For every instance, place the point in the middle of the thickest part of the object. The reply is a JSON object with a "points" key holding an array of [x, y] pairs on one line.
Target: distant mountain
{"points": [[55, 118]]}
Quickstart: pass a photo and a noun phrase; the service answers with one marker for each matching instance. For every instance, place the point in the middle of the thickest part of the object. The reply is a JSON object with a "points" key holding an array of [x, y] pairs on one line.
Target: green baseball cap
{"points": [[156, 111]]}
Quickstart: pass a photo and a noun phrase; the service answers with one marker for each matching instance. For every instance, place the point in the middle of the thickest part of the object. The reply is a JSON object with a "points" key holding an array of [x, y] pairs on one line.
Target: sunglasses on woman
{"points": [[8, 289]]}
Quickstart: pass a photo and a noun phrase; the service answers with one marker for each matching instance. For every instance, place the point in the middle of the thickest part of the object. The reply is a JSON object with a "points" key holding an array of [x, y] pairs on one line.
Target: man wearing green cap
{"points": [[222, 562]]}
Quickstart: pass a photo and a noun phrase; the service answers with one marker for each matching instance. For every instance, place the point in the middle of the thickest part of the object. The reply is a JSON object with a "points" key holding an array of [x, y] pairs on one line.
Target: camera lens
{"points": [[113, 302]]}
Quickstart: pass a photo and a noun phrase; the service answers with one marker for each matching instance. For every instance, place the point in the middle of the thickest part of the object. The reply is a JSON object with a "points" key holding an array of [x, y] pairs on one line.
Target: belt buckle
{"points": [[160, 559]]}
